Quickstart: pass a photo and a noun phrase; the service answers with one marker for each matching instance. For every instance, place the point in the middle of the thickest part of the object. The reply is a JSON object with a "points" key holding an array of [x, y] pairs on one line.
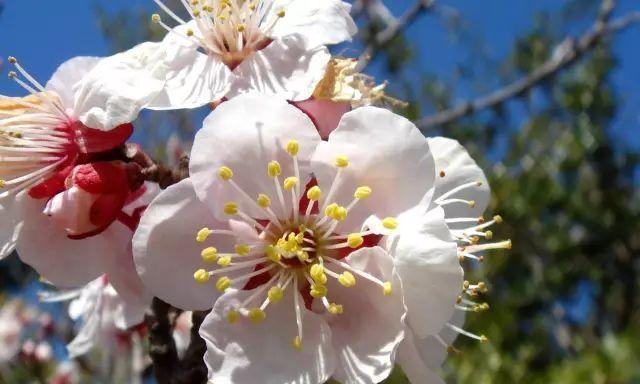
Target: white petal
{"points": [[64, 262], [387, 153], [418, 360], [425, 254], [12, 222], [68, 75], [123, 314], [285, 69], [166, 252], [193, 79], [320, 22], [115, 91], [459, 168], [245, 134], [367, 335], [248, 353], [88, 335]]}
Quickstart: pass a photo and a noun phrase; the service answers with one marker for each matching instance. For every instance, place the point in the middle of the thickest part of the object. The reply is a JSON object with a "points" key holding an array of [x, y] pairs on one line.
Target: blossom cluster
{"points": [[314, 223]]}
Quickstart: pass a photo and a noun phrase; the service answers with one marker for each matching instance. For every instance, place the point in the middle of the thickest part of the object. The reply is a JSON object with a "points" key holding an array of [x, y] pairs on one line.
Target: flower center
{"points": [[300, 248], [36, 135], [231, 30]]}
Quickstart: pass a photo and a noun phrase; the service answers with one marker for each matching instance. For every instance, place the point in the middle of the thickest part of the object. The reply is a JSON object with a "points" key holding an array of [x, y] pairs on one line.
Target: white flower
{"points": [[106, 319], [278, 218], [226, 48]]}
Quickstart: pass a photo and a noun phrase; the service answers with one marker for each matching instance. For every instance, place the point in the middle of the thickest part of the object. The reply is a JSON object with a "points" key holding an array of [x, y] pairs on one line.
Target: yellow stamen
{"points": [[232, 316], [156, 18], [209, 255], [335, 309], [330, 209], [342, 161], [225, 173], [387, 288], [203, 234], [224, 261], [362, 192], [257, 315], [273, 254], [390, 223], [274, 169], [346, 279], [281, 13], [275, 294], [297, 343], [243, 249], [355, 240], [314, 193], [292, 147], [290, 183], [317, 274], [231, 208], [263, 201], [318, 291], [223, 283], [201, 276]]}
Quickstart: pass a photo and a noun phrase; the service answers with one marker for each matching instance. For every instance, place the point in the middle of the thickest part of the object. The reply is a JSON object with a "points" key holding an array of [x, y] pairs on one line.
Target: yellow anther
{"points": [[483, 339], [290, 183], [342, 161], [507, 244], [317, 274], [497, 219], [201, 276], [302, 228], [472, 203], [387, 288], [243, 249], [223, 283], [390, 223], [231, 208], [252, 6], [203, 234], [210, 255], [225, 173], [330, 209], [314, 193], [190, 32], [355, 240], [346, 279], [12, 60], [275, 294], [466, 284], [362, 192], [300, 238], [281, 13], [273, 254], [335, 309], [233, 316], [318, 291], [297, 343], [488, 235], [340, 214], [263, 201], [302, 256], [292, 147], [241, 27], [224, 261], [196, 13], [257, 315], [482, 286], [156, 18], [274, 169], [3, 183]]}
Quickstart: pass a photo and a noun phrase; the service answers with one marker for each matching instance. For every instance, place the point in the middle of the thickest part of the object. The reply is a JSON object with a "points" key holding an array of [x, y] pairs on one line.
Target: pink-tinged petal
{"points": [[124, 314], [68, 75], [459, 168], [387, 153], [367, 335], [325, 114], [64, 262], [245, 134], [193, 79], [165, 250], [285, 68], [419, 360], [12, 222], [426, 259], [248, 353], [91, 140], [320, 22], [114, 92], [70, 211]]}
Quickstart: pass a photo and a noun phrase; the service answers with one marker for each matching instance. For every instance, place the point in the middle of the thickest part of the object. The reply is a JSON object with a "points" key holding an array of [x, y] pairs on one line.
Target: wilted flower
{"points": [[293, 251]]}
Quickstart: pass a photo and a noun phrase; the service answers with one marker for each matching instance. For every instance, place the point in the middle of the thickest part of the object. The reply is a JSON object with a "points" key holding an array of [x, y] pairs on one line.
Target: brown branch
{"points": [[192, 367], [392, 31], [162, 348], [565, 55]]}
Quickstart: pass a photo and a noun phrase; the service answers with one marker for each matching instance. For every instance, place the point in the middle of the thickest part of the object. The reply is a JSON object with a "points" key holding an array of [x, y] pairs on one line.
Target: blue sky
{"points": [[43, 34]]}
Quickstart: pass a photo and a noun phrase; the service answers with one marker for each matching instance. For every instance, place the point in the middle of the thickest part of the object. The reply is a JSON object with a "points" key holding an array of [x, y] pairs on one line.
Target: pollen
{"points": [[156, 18], [203, 234], [335, 309], [387, 288], [318, 291], [189, 32], [201, 276], [355, 240], [225, 173], [390, 223], [231, 208], [275, 294], [223, 283], [274, 169], [243, 249], [224, 261], [257, 315], [263, 201], [346, 279], [290, 183], [292, 147], [281, 13], [317, 274], [297, 343], [342, 161], [241, 27], [3, 183], [273, 254], [340, 213], [314, 193], [232, 316], [362, 192], [330, 209], [209, 255]]}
